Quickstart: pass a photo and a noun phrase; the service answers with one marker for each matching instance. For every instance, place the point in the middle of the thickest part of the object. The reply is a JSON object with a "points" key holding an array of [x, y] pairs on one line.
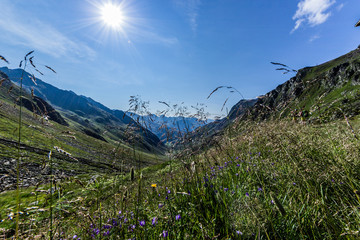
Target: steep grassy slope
{"points": [[73, 151], [323, 92], [89, 116]]}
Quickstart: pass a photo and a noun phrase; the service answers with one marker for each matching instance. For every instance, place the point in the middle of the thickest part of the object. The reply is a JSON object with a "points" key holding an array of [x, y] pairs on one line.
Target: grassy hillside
{"points": [[280, 180], [73, 151], [87, 115], [324, 92]]}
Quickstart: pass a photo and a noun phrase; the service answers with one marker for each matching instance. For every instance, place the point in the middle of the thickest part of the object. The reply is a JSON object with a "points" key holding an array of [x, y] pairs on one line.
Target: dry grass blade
{"points": [[224, 104], [280, 64], [4, 59], [39, 71], [31, 62], [32, 77], [29, 53], [164, 103], [1, 82], [50, 68], [357, 24], [214, 91]]}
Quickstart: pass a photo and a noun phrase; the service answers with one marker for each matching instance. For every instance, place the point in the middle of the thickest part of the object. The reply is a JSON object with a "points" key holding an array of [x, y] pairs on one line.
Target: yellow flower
{"points": [[153, 185]]}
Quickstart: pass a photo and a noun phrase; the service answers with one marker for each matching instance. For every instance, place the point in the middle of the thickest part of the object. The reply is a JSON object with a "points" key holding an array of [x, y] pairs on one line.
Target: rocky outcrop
{"points": [[42, 108], [325, 92]]}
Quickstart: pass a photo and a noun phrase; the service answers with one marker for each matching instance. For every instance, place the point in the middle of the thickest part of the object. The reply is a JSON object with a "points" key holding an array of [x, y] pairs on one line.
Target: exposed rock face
{"points": [[33, 103], [42, 108], [327, 91], [214, 128]]}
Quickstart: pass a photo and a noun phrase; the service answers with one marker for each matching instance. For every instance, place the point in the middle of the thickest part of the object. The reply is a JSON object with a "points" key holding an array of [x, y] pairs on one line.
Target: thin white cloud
{"points": [[191, 8], [339, 7], [313, 38], [312, 12], [38, 35]]}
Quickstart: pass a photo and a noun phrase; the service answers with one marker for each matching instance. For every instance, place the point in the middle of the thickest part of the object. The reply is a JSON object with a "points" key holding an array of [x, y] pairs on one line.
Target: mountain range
{"points": [[87, 115], [169, 129]]}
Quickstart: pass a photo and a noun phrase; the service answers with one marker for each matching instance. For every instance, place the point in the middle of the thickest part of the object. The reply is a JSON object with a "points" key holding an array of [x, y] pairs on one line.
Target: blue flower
{"points": [[178, 217], [247, 194], [153, 222], [165, 234], [142, 223]]}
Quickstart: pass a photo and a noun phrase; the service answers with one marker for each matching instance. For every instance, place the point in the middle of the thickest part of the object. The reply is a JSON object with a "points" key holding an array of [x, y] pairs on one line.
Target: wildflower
{"points": [[247, 194], [178, 217], [168, 191], [332, 180], [107, 233], [165, 234], [107, 226], [161, 205], [153, 185], [272, 202], [153, 222], [260, 189], [239, 233], [226, 189], [238, 165], [142, 223], [294, 183]]}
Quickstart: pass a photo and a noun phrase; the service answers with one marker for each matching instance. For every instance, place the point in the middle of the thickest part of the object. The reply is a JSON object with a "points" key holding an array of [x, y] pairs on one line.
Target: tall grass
{"points": [[24, 64], [280, 180]]}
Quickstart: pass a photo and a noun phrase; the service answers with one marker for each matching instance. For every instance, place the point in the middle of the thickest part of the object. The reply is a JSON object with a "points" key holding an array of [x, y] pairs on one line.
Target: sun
{"points": [[112, 15]]}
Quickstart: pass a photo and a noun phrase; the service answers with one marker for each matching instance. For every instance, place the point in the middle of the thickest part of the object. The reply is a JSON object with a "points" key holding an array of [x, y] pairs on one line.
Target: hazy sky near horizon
{"points": [[175, 50]]}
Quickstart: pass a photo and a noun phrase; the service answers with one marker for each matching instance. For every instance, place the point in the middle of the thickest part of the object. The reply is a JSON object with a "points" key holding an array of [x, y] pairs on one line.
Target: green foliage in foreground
{"points": [[271, 181]]}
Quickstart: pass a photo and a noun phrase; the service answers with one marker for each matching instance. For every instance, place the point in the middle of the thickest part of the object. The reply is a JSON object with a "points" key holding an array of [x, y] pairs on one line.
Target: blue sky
{"points": [[176, 50]]}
